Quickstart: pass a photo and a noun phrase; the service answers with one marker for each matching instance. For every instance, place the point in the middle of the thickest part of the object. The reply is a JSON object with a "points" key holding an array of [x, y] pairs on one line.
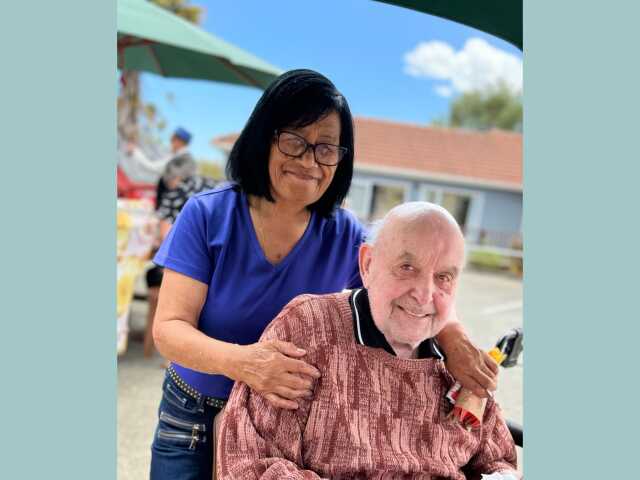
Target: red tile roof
{"points": [[492, 158]]}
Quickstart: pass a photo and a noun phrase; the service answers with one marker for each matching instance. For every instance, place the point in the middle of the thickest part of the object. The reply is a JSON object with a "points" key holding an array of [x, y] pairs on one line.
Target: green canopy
{"points": [[155, 40], [502, 18]]}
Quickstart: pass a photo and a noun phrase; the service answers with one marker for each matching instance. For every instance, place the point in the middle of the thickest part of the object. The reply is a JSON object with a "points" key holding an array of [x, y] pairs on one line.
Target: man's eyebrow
{"points": [[453, 270], [406, 256]]}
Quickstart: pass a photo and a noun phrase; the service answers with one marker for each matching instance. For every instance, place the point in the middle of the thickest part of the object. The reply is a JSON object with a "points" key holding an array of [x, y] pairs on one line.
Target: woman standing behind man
{"points": [[238, 254]]}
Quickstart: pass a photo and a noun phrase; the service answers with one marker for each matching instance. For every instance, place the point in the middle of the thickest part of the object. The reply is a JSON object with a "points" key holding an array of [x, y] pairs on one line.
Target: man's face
{"points": [[411, 275], [173, 182], [176, 143]]}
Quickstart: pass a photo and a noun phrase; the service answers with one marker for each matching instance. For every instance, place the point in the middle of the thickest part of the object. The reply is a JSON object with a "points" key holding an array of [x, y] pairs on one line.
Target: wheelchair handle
{"points": [[511, 345]]}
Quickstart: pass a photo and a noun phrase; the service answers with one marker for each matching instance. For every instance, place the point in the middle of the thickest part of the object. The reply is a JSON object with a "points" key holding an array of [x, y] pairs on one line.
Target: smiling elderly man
{"points": [[379, 409]]}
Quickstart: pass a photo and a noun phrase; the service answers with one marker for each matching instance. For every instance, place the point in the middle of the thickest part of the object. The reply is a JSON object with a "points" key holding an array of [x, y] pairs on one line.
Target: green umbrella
{"points": [[502, 18], [155, 40]]}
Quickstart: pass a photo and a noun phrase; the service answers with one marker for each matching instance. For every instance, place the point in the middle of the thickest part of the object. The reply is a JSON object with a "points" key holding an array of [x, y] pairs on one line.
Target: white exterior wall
{"points": [[490, 210]]}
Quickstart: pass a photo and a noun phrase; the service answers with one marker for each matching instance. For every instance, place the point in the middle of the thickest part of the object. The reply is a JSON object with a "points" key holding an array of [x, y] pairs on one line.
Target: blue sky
{"points": [[359, 44]]}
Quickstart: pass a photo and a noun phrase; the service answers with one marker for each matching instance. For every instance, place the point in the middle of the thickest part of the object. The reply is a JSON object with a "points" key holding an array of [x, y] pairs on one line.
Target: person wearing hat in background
{"points": [[141, 168], [168, 171], [178, 183], [179, 150]]}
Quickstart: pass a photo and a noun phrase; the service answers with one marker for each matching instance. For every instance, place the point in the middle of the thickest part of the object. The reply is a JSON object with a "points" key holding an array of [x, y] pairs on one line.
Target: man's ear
{"points": [[364, 262]]}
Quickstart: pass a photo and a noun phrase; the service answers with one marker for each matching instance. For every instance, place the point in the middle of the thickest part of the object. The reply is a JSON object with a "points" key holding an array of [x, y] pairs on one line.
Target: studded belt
{"points": [[192, 392]]}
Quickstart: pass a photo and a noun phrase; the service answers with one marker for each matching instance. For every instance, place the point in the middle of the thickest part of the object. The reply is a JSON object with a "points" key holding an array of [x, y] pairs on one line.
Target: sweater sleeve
{"points": [[497, 452], [258, 440]]}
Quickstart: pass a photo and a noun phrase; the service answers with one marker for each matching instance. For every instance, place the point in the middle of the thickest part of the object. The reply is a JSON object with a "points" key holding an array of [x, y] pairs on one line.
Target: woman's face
{"points": [[301, 180]]}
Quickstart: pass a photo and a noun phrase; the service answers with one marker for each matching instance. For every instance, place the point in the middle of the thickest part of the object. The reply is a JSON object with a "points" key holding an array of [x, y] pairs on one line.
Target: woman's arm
{"points": [[270, 368], [175, 330], [469, 365]]}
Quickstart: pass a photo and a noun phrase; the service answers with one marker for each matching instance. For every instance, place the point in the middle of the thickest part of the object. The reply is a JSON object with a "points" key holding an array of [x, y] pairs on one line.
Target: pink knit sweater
{"points": [[372, 415]]}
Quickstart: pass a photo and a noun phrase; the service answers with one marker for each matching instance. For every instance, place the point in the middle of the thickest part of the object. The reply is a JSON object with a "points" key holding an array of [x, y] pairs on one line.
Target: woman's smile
{"points": [[301, 176]]}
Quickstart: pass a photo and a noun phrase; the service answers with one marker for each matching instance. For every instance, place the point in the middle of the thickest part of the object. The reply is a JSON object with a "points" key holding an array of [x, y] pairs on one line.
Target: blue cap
{"points": [[182, 134]]}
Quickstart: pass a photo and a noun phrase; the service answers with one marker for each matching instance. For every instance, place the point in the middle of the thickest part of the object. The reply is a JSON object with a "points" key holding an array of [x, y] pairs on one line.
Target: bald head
{"points": [[410, 266], [411, 214]]}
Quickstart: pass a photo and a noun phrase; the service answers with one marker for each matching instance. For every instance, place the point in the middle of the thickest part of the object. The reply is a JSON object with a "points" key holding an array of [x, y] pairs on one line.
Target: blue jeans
{"points": [[182, 448]]}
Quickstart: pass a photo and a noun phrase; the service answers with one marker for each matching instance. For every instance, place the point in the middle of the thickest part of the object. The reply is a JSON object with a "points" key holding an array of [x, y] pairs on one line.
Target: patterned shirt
{"points": [[172, 201]]}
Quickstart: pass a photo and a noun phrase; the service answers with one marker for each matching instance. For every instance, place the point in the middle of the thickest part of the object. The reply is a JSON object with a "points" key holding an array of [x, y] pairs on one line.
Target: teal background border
{"points": [[57, 243], [582, 237]]}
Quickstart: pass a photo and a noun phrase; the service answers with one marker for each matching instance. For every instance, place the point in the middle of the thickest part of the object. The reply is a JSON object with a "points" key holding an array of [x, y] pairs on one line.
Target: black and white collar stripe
{"points": [[368, 334], [357, 315]]}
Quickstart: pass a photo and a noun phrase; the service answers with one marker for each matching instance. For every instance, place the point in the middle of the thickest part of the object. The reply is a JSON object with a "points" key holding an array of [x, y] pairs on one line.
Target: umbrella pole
{"points": [[155, 58]]}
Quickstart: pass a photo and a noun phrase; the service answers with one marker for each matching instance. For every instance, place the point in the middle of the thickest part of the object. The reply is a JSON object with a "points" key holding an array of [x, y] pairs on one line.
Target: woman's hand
{"points": [[469, 365], [273, 369], [472, 367]]}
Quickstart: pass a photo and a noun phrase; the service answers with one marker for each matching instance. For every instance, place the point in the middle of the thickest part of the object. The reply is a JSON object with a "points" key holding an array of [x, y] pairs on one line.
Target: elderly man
{"points": [[379, 409]]}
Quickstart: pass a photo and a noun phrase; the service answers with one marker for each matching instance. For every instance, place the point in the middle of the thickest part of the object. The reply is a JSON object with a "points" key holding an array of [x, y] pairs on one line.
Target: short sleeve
{"points": [[185, 249]]}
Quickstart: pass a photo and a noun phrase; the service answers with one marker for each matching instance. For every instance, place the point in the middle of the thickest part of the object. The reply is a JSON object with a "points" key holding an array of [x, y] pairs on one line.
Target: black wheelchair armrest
{"points": [[516, 432]]}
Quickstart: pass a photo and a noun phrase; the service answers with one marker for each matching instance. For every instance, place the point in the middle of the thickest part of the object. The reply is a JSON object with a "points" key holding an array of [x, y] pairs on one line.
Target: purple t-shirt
{"points": [[214, 242]]}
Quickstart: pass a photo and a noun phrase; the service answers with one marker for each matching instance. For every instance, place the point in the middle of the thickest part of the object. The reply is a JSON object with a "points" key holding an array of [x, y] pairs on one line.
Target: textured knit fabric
{"points": [[372, 415], [213, 241]]}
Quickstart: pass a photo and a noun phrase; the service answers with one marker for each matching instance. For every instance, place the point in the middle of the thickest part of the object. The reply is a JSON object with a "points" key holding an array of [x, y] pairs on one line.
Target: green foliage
{"points": [[497, 107], [182, 8], [488, 260], [211, 170], [492, 261], [440, 122]]}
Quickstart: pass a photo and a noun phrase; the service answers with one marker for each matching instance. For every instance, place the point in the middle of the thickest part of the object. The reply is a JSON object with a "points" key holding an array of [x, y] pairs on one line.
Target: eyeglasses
{"points": [[295, 146]]}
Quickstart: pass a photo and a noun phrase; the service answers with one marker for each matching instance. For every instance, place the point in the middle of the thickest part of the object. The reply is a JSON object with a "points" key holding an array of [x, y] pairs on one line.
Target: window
{"points": [[384, 198], [458, 202], [358, 199], [371, 199], [458, 206], [428, 195]]}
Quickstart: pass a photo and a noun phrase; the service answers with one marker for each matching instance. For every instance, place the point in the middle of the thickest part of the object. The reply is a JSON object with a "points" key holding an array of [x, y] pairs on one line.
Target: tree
{"points": [[130, 105], [211, 170], [497, 107]]}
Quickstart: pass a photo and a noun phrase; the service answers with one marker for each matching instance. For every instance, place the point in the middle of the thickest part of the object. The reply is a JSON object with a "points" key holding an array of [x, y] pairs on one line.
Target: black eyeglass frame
{"points": [[342, 151]]}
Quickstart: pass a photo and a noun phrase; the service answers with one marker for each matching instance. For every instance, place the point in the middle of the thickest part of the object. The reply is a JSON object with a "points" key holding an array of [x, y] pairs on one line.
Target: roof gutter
{"points": [[411, 174]]}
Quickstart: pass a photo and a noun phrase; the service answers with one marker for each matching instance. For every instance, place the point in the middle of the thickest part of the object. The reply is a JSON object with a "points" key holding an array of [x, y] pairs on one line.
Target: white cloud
{"points": [[477, 66], [444, 90]]}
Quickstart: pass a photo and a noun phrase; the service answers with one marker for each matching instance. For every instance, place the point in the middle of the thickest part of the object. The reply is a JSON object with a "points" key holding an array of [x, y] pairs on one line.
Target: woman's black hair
{"points": [[295, 99]]}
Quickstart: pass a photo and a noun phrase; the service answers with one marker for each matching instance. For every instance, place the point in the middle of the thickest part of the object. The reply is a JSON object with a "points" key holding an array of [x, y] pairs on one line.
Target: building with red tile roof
{"points": [[476, 175]]}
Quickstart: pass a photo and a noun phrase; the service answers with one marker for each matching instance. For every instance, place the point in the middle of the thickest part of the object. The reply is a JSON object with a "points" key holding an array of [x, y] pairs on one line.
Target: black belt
{"points": [[192, 392]]}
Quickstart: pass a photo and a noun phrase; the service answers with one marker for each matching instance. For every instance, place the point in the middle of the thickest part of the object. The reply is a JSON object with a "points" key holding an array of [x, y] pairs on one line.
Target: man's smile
{"points": [[416, 314]]}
